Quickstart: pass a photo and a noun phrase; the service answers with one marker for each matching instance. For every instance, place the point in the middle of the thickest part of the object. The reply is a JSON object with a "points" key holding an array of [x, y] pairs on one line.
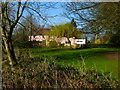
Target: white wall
{"points": [[80, 41]]}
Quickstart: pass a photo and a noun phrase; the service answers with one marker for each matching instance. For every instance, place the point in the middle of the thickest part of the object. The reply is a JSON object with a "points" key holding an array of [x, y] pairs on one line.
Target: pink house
{"points": [[39, 36]]}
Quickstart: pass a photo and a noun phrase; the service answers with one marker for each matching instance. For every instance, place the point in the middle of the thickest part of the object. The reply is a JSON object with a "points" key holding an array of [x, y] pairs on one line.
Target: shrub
{"points": [[101, 45], [53, 44], [98, 41], [43, 43], [35, 43], [34, 73], [25, 44], [61, 45], [115, 39], [81, 46]]}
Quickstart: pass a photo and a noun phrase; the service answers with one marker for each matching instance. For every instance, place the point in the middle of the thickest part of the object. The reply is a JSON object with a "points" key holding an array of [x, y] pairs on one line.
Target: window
{"points": [[67, 42], [79, 41]]}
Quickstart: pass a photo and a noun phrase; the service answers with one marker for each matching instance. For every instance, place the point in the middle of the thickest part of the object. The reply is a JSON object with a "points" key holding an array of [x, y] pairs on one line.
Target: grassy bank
{"points": [[73, 58], [61, 68], [37, 73]]}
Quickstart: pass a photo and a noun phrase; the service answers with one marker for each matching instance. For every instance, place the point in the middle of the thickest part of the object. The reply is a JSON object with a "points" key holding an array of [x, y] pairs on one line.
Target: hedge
{"points": [[102, 46]]}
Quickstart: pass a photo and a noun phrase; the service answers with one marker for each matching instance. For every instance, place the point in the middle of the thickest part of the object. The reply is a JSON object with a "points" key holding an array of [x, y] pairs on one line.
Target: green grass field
{"points": [[75, 58]]}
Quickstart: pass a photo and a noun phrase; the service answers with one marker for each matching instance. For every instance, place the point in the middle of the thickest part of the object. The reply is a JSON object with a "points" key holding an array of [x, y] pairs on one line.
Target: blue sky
{"points": [[56, 13]]}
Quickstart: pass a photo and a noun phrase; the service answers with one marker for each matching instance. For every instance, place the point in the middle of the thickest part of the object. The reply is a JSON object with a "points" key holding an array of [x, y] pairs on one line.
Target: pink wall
{"points": [[62, 40]]}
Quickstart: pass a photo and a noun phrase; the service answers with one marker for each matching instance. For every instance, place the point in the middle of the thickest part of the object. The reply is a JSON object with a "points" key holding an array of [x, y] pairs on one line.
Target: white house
{"points": [[37, 36], [80, 41]]}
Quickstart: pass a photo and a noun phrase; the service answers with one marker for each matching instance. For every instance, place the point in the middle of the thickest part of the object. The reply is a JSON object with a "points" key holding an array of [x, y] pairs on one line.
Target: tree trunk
{"points": [[69, 42], [0, 49], [9, 50], [96, 37], [8, 25]]}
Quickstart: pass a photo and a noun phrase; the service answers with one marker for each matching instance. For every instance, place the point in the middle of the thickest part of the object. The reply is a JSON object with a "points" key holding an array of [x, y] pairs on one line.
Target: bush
{"points": [[115, 39], [81, 46], [53, 44], [25, 44], [61, 45], [34, 73], [101, 46], [98, 41], [35, 43], [43, 43]]}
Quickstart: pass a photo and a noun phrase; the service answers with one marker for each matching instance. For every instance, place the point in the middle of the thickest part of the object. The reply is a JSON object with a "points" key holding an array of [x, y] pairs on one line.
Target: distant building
{"points": [[80, 41], [39, 35]]}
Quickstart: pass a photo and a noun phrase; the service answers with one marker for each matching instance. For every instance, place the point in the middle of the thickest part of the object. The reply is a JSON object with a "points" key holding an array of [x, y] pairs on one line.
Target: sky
{"points": [[58, 11], [54, 14]]}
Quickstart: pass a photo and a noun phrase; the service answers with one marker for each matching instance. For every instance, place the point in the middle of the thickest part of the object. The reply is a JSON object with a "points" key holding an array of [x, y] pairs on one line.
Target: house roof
{"points": [[40, 31]]}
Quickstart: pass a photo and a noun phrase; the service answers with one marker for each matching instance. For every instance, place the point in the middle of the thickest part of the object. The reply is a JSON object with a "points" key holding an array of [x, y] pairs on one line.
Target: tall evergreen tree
{"points": [[73, 23]]}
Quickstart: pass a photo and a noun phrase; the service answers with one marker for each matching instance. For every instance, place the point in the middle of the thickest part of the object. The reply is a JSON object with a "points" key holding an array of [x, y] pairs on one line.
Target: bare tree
{"points": [[0, 59], [94, 17], [8, 26], [10, 17], [80, 11]]}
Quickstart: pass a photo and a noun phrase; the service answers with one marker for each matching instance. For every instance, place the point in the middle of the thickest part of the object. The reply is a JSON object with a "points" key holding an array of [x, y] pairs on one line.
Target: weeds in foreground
{"points": [[43, 73]]}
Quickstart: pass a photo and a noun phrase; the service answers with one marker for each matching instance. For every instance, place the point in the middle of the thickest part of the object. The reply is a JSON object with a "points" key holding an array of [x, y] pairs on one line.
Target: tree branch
{"points": [[37, 13], [17, 19], [18, 10], [83, 18], [88, 7]]}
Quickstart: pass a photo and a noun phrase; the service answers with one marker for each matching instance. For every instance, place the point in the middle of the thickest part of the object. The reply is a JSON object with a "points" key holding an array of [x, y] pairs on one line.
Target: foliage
{"points": [[43, 43], [38, 73], [98, 41], [19, 41], [23, 31], [115, 39], [108, 16], [101, 46], [106, 37], [64, 30], [73, 23], [95, 17], [53, 44]]}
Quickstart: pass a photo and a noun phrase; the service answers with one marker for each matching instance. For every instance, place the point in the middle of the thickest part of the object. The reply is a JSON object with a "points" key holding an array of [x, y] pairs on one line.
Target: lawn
{"points": [[91, 57]]}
